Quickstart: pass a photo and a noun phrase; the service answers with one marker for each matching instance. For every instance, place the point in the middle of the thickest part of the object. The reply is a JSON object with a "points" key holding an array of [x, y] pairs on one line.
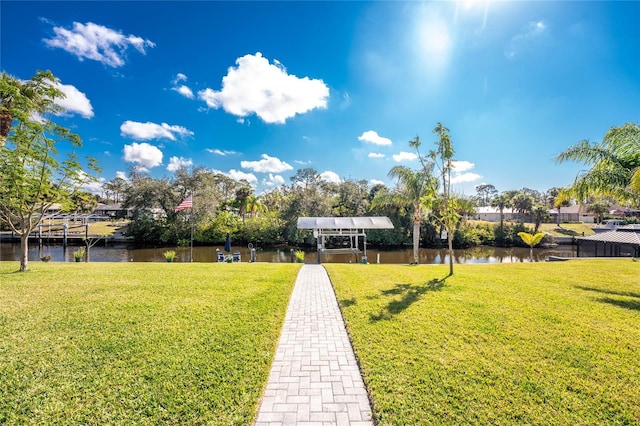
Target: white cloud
{"points": [[376, 155], [273, 180], [462, 166], [257, 86], [75, 101], [404, 156], [302, 163], [148, 130], [239, 175], [267, 164], [520, 41], [459, 167], [179, 77], [371, 136], [91, 185], [96, 42], [220, 152], [121, 175], [176, 163], [465, 177], [330, 176], [374, 182], [143, 154], [184, 91]]}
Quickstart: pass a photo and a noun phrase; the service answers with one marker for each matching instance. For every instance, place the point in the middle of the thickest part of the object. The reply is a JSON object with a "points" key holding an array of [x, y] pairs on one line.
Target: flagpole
{"points": [[191, 250]]}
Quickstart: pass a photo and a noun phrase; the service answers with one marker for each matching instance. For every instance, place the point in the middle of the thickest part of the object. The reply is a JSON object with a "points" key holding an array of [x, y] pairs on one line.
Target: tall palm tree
{"points": [[255, 206], [523, 204], [614, 162], [539, 213], [562, 199], [501, 202], [415, 190]]}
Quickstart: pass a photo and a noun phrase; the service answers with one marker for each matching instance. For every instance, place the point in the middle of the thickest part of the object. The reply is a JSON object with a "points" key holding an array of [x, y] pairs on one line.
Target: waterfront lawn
{"points": [[138, 343], [526, 343]]}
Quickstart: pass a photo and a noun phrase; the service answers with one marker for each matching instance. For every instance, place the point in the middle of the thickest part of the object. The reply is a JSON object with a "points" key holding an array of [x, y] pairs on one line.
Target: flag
{"points": [[186, 204]]}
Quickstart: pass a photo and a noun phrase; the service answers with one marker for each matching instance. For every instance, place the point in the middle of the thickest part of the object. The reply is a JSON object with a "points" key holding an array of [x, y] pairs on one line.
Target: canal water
{"points": [[10, 251]]}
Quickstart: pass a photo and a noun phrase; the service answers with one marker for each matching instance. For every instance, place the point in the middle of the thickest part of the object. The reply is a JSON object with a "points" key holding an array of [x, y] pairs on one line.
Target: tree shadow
{"points": [[409, 294], [626, 304], [345, 303], [614, 292]]}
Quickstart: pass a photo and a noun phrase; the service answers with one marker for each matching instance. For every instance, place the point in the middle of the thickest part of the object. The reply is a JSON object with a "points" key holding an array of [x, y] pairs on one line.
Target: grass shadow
{"points": [[409, 294]]}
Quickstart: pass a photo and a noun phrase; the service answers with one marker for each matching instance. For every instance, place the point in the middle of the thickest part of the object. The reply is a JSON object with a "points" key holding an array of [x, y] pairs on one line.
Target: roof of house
{"points": [[493, 210], [623, 236], [371, 222], [574, 209]]}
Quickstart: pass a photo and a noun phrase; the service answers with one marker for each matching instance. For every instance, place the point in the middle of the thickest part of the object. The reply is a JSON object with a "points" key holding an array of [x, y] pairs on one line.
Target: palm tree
{"points": [[562, 199], [615, 164], [599, 208], [531, 240], [501, 202], [415, 190], [539, 213], [523, 204], [255, 206], [242, 197]]}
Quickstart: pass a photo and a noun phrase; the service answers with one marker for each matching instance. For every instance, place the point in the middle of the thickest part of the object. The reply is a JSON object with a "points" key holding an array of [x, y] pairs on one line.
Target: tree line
{"points": [[422, 204]]}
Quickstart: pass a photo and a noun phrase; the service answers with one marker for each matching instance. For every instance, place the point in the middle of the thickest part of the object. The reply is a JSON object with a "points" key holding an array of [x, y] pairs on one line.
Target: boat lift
{"points": [[351, 227]]}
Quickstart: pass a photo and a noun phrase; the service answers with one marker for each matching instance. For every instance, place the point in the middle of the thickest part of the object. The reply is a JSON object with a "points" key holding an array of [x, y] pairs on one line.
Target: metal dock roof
{"points": [[368, 222]]}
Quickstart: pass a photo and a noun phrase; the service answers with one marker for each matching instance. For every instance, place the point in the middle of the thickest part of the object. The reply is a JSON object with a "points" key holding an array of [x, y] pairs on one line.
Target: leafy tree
{"points": [[415, 191], [486, 192], [531, 240], [307, 196], [352, 198], [117, 187], [33, 175], [614, 162], [17, 95]]}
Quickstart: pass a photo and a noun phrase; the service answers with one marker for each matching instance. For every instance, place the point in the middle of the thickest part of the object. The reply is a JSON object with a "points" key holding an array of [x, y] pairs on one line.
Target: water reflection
{"points": [[122, 253]]}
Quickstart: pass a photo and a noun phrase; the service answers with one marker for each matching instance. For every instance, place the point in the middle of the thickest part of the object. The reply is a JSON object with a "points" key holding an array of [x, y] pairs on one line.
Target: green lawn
{"points": [[138, 343], [528, 343]]}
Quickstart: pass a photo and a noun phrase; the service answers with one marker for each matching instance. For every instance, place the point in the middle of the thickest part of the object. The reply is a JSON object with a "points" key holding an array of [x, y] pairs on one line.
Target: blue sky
{"points": [[257, 90]]}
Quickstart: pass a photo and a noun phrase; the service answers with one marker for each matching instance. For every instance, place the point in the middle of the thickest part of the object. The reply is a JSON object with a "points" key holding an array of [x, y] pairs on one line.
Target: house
{"points": [[575, 213], [492, 214], [113, 211], [623, 242], [621, 211]]}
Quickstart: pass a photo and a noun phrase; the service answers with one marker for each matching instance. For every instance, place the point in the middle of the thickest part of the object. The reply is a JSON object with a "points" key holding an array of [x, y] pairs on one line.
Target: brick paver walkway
{"points": [[314, 379]]}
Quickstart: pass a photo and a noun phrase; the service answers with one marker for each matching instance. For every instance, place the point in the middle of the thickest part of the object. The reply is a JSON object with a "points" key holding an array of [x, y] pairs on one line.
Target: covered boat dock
{"points": [[623, 242], [342, 228]]}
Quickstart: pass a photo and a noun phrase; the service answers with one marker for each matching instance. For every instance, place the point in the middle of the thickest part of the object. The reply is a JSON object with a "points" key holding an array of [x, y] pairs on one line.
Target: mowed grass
{"points": [[138, 343], [529, 343]]}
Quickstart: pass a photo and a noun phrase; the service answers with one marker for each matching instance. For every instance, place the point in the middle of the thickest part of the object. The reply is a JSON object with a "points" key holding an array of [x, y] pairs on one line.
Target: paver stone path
{"points": [[314, 379]]}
